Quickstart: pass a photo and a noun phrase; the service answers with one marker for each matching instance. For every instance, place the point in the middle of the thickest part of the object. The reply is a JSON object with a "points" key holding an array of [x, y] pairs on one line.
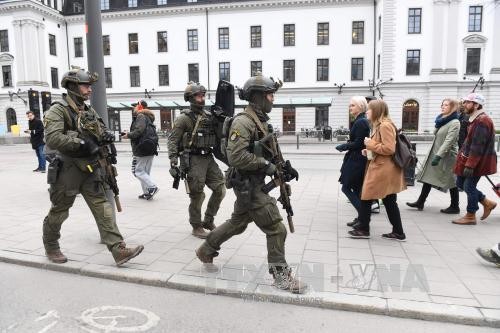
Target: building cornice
{"points": [[194, 8], [13, 6]]}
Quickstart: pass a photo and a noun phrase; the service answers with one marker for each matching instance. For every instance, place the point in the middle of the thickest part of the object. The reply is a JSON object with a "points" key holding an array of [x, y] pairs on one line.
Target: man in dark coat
{"points": [[36, 138]]}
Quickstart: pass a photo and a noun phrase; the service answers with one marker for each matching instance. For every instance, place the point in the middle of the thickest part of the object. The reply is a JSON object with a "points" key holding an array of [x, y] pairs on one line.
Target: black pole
{"points": [[95, 57]]}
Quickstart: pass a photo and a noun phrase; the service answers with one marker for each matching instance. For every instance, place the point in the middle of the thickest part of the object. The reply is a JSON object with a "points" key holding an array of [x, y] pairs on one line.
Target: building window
{"points": [[132, 3], [473, 61], [322, 70], [4, 41], [223, 38], [414, 20], [135, 76], [52, 45], [104, 4], [379, 27], [255, 66], [192, 39], [78, 43], [162, 41], [54, 76], [256, 36], [356, 69], [7, 76], [133, 43], [163, 75], [475, 18], [289, 35], [193, 72], [106, 45], [289, 70], [323, 33], [162, 2], [108, 77], [321, 119], [224, 71], [413, 62], [358, 32], [378, 66], [77, 7]]}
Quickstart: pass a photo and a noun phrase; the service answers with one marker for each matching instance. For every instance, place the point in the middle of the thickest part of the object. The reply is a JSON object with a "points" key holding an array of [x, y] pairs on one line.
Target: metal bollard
{"points": [[498, 143], [298, 142]]}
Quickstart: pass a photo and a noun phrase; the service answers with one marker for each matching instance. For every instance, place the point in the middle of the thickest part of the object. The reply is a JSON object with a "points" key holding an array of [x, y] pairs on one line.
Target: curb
{"points": [[457, 314]]}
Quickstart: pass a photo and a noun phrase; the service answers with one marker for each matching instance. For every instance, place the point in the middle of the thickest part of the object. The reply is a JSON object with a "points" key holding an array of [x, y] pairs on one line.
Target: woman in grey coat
{"points": [[437, 170]]}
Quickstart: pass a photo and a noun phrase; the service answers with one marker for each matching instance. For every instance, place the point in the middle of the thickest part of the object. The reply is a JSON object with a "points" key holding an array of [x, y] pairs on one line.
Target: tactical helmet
{"points": [[79, 76], [259, 83], [193, 89]]}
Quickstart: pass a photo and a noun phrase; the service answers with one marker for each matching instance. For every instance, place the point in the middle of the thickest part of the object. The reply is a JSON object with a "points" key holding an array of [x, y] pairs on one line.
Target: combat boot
{"points": [[488, 206], [489, 255], [468, 219], [208, 223], [199, 232], [56, 256], [122, 253], [207, 260], [285, 281]]}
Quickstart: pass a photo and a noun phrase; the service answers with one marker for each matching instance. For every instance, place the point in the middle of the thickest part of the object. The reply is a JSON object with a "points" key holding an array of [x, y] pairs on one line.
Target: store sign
{"points": [[410, 104]]}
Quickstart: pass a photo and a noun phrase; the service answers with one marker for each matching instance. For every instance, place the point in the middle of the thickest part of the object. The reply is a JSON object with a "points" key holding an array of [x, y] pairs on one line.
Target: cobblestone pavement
{"points": [[435, 275]]}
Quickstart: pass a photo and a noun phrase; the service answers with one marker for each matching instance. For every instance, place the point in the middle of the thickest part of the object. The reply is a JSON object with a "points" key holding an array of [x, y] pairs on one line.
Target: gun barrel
{"points": [[176, 183], [290, 224]]}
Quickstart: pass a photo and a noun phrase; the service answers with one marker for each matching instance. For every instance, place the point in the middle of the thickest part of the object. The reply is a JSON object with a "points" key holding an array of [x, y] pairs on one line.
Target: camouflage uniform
{"points": [[75, 169], [195, 151], [246, 176]]}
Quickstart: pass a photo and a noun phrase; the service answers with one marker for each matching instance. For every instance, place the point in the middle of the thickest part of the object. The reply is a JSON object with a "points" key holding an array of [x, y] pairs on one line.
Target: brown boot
{"points": [[199, 232], [56, 256], [207, 260], [488, 206], [468, 219], [285, 281], [122, 253]]}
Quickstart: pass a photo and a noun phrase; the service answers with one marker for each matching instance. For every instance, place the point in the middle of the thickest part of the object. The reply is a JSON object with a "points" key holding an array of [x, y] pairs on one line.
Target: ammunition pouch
{"points": [[53, 170], [184, 161]]}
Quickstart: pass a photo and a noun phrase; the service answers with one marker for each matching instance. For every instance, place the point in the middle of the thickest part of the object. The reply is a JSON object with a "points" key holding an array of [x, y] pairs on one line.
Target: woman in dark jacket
{"points": [[353, 167]]}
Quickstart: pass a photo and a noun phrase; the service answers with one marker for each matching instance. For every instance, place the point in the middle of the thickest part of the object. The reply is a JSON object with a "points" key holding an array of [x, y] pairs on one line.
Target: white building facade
{"points": [[325, 51]]}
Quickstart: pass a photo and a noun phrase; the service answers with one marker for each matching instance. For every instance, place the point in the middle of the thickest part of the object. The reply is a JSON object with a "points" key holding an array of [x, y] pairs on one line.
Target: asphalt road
{"points": [[36, 300]]}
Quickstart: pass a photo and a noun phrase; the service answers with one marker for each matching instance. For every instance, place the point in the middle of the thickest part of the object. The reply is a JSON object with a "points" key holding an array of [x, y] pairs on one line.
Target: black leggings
{"points": [[426, 189], [392, 209]]}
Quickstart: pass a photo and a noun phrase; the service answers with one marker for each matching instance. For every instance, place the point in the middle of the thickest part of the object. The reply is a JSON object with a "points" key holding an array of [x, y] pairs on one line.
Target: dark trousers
{"points": [[41, 157], [426, 189], [353, 194], [392, 209]]}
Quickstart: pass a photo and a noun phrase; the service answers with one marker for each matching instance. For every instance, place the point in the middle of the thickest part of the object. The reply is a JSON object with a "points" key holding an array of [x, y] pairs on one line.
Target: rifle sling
{"points": [[257, 121]]}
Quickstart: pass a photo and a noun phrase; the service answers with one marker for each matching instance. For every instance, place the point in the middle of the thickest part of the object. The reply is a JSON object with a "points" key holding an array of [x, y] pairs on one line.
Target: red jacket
{"points": [[478, 150]]}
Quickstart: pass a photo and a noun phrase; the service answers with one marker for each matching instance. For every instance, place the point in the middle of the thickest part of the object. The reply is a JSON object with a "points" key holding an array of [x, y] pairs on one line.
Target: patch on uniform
{"points": [[234, 135]]}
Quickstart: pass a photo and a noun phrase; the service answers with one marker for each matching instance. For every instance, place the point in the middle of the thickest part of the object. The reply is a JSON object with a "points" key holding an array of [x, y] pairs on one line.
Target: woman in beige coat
{"points": [[383, 178]]}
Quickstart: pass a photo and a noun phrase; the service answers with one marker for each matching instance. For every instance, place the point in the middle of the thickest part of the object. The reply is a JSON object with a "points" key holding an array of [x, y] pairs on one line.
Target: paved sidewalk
{"points": [[435, 275]]}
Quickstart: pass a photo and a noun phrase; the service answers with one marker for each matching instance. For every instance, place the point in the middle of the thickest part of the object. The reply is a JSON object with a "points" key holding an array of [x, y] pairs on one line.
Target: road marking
{"points": [[90, 316]]}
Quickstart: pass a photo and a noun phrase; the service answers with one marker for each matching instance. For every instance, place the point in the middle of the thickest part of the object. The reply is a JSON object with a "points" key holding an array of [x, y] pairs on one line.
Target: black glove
{"points": [[89, 147], [174, 172], [270, 169], [342, 147], [290, 172], [468, 172], [173, 162], [108, 136], [435, 160]]}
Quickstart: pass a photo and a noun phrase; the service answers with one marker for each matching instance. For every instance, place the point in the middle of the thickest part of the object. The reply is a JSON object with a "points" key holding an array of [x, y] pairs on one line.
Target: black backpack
{"points": [[147, 144]]}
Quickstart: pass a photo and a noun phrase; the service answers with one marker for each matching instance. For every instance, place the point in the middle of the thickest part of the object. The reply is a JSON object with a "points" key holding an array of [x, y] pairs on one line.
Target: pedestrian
{"points": [[35, 130], [437, 169], [383, 178], [463, 117], [246, 176], [476, 158], [491, 255], [353, 167], [142, 160], [192, 139], [76, 133]]}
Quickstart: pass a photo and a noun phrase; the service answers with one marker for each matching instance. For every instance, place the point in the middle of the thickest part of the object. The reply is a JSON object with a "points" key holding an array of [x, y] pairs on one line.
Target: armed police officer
{"points": [[192, 140], [250, 158], [76, 137]]}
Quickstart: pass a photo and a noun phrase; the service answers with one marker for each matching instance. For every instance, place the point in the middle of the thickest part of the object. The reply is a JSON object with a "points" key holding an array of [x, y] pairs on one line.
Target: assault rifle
{"points": [[280, 178], [107, 159]]}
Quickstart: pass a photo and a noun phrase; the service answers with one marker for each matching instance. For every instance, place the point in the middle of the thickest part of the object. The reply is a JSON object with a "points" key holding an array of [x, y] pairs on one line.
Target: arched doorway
{"points": [[11, 118], [410, 115]]}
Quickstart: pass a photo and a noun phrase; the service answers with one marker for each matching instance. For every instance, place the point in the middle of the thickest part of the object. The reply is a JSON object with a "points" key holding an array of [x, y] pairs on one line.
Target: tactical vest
{"points": [[203, 137]]}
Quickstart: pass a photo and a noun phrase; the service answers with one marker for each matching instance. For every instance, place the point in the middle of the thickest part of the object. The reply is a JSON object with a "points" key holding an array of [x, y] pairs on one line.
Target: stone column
{"points": [[495, 50], [438, 44], [451, 38], [20, 54]]}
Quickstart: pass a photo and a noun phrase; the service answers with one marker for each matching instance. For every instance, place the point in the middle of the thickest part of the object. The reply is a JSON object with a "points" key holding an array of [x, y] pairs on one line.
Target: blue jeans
{"points": [[353, 195], [41, 157], [474, 196]]}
